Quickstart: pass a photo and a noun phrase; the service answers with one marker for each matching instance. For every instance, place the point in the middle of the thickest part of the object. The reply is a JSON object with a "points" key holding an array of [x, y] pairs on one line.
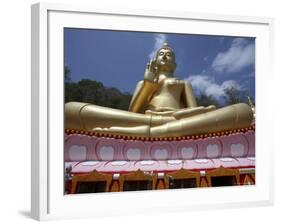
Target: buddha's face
{"points": [[165, 60]]}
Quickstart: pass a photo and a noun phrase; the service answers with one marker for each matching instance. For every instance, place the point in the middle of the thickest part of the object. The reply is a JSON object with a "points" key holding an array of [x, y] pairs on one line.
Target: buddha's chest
{"points": [[170, 88], [168, 94]]}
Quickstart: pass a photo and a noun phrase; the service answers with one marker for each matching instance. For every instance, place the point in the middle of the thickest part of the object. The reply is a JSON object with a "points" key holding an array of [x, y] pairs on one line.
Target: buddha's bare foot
{"points": [[100, 130], [210, 108], [189, 112], [141, 131]]}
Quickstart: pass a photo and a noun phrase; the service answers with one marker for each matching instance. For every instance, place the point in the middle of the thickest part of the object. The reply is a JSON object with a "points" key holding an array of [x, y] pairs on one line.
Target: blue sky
{"points": [[118, 59]]}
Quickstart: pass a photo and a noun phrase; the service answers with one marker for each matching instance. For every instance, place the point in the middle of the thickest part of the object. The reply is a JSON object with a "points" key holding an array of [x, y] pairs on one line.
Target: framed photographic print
{"points": [[148, 111]]}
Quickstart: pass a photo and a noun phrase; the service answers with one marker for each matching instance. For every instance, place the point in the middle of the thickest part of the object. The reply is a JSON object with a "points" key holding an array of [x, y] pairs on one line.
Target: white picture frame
{"points": [[48, 200]]}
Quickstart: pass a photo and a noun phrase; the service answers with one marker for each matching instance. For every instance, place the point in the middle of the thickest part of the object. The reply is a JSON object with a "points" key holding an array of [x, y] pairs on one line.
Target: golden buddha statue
{"points": [[161, 106]]}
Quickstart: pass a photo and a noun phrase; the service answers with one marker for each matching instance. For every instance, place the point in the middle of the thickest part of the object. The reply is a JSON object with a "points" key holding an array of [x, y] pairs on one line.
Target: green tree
{"points": [[90, 91], [234, 95], [205, 100], [67, 74]]}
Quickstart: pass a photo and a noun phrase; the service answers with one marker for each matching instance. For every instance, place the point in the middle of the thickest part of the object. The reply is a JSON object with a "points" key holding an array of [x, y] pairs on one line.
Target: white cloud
{"points": [[208, 85], [229, 84], [240, 55], [159, 40]]}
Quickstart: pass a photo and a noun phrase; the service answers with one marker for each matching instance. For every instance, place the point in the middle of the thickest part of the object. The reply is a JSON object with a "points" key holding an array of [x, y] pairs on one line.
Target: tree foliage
{"points": [[94, 92], [205, 100], [67, 74], [234, 95]]}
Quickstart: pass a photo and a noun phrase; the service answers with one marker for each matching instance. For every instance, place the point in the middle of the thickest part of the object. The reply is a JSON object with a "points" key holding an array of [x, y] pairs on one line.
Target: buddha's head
{"points": [[165, 59]]}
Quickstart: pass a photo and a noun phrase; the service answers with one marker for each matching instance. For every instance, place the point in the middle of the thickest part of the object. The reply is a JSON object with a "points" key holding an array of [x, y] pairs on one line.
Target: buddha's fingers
{"points": [[147, 66], [150, 68]]}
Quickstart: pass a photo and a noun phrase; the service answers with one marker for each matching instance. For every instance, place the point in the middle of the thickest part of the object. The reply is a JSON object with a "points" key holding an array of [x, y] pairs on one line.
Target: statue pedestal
{"points": [[86, 153], [214, 154]]}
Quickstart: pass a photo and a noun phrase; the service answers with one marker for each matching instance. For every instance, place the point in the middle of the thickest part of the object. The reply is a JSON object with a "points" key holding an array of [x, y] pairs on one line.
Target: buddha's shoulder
{"points": [[138, 86], [140, 82]]}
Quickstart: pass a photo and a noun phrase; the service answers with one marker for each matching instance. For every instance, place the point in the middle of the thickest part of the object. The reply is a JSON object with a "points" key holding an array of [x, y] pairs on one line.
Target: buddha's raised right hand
{"points": [[151, 73]]}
